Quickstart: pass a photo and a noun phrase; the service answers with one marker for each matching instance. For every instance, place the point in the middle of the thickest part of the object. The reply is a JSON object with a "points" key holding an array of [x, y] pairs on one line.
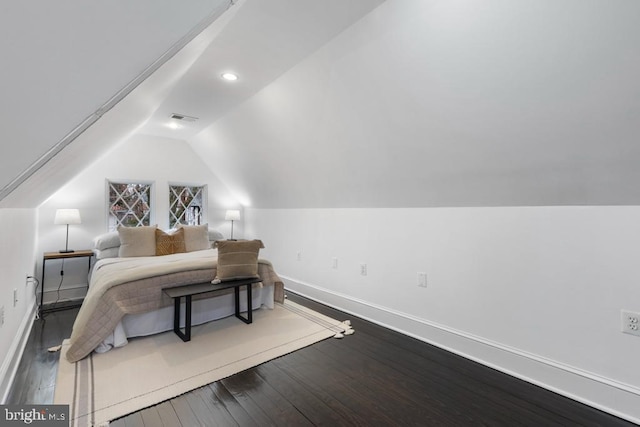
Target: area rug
{"points": [[150, 370]]}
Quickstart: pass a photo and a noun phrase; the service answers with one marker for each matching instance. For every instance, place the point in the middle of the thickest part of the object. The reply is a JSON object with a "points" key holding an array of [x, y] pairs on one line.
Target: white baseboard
{"points": [[605, 394], [68, 293], [14, 355]]}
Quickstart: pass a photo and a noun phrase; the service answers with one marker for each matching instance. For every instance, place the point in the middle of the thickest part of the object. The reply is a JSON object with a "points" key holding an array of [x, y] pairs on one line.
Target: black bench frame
{"points": [[187, 291]]}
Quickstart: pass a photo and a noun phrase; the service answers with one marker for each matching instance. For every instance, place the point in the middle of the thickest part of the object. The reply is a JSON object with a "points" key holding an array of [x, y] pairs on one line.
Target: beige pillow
{"points": [[196, 237], [237, 259], [167, 244], [137, 241]]}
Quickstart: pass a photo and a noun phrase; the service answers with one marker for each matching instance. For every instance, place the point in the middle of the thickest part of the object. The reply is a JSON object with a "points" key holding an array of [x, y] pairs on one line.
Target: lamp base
{"points": [[66, 251]]}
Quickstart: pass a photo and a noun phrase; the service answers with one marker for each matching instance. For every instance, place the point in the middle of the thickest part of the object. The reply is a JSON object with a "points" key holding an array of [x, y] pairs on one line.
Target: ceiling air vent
{"points": [[183, 117]]}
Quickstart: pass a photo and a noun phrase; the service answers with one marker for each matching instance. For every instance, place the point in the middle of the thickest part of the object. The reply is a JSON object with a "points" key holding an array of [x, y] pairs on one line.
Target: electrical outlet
{"points": [[15, 297], [422, 280], [2, 315], [299, 256], [630, 322], [363, 269], [334, 263]]}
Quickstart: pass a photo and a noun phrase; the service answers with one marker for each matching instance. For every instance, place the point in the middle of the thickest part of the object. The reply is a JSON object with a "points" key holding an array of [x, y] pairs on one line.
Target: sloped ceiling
{"points": [[448, 103], [74, 58], [264, 39], [62, 63], [342, 104]]}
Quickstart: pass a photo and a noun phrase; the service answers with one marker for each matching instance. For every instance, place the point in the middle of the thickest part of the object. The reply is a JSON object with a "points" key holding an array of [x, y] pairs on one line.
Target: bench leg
{"points": [[249, 317], [186, 336], [176, 315]]}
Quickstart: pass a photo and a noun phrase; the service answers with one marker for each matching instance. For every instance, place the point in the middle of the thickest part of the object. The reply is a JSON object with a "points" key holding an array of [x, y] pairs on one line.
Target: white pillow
{"points": [[214, 236], [137, 241], [106, 253], [196, 237], [106, 241]]}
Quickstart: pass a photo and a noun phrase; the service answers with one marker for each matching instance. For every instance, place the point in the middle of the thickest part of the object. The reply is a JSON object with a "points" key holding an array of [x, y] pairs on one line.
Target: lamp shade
{"points": [[67, 216], [232, 215]]}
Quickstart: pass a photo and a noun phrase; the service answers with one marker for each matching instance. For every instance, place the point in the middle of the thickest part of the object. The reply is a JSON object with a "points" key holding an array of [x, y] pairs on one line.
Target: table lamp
{"points": [[66, 217], [232, 215]]}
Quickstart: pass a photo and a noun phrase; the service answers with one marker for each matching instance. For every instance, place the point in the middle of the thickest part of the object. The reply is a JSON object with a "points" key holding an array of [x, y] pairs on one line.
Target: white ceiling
{"points": [[72, 57], [64, 60], [262, 41], [358, 103], [447, 103]]}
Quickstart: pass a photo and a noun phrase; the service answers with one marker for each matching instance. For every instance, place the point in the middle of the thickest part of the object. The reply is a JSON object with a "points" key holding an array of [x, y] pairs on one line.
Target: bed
{"points": [[125, 297]]}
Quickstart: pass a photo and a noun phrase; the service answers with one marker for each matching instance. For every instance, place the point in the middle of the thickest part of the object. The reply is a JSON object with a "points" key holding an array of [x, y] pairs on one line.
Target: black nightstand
{"points": [[85, 253]]}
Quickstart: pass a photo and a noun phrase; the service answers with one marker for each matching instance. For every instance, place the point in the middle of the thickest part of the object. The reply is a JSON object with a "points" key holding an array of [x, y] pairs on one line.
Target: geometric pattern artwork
{"points": [[129, 205], [185, 205]]}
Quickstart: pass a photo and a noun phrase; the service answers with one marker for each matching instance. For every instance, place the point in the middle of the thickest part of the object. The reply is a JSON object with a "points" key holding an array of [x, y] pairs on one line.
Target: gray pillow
{"points": [[137, 241]]}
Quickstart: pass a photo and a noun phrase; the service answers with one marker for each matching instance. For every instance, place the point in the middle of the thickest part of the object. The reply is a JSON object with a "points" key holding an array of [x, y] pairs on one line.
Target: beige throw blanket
{"points": [[122, 286]]}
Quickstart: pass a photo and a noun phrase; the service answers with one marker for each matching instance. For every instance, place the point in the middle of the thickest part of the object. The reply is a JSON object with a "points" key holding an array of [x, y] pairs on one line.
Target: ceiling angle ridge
{"points": [[50, 154], [166, 56], [113, 101]]}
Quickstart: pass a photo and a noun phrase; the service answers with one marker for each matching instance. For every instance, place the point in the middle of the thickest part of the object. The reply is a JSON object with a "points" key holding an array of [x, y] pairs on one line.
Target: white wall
{"points": [[145, 158], [424, 108], [17, 260], [534, 291], [430, 103]]}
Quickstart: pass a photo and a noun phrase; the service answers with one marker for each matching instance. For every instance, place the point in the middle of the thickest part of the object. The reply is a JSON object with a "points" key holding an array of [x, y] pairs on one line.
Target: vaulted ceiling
{"points": [[72, 63], [338, 104]]}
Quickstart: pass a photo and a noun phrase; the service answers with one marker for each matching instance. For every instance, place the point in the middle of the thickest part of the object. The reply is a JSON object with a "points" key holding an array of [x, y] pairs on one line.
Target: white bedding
{"points": [[125, 298], [203, 310]]}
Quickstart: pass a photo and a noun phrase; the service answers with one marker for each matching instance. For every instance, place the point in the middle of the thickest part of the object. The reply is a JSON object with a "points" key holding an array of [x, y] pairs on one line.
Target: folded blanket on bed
{"points": [[122, 286]]}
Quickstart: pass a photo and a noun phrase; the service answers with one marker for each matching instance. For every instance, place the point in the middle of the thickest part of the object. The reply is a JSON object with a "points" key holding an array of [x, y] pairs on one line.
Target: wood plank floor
{"points": [[375, 377]]}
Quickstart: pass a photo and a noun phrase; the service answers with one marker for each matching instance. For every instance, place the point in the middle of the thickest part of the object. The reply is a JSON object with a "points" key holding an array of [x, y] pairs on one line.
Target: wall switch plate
{"points": [[422, 280], [2, 315], [630, 322], [299, 256], [363, 269], [334, 262]]}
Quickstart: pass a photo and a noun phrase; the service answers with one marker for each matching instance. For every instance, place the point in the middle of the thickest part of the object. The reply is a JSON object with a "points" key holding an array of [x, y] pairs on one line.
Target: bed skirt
{"points": [[202, 311]]}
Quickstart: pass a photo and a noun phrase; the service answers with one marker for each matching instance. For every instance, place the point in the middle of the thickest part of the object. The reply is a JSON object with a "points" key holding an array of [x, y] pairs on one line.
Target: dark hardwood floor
{"points": [[375, 377], [36, 377]]}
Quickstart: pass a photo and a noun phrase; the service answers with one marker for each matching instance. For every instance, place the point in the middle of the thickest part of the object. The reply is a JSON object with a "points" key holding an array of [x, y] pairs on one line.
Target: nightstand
{"points": [[85, 253]]}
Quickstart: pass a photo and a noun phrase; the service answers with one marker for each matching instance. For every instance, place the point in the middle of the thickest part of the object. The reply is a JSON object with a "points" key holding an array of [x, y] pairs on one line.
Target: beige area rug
{"points": [[149, 370]]}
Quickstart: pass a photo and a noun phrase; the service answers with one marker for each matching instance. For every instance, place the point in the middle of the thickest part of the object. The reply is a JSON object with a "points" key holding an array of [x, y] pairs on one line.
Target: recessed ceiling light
{"points": [[230, 77], [174, 125]]}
